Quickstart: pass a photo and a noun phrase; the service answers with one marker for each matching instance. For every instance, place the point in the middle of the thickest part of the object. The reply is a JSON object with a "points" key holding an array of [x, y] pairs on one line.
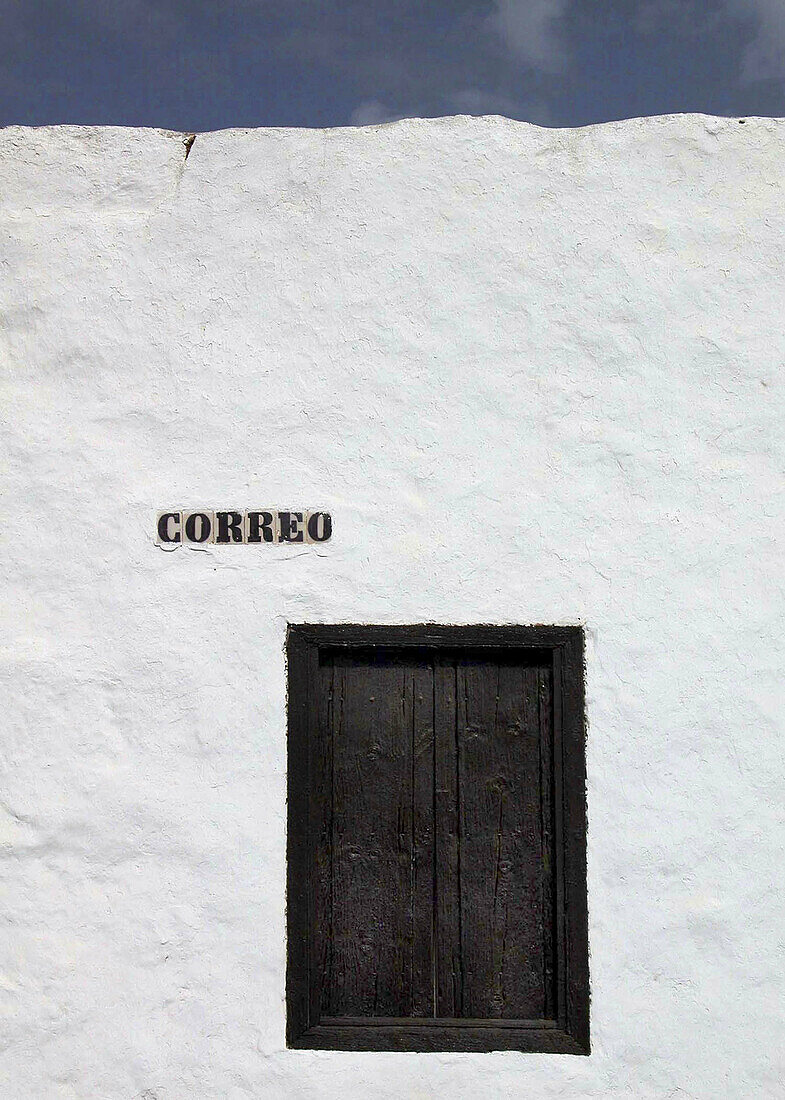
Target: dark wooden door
{"points": [[426, 884]]}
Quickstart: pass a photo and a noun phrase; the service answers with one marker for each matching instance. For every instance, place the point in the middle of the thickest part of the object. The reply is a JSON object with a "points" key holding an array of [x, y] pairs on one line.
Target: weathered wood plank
{"points": [[499, 768], [422, 886], [373, 838], [449, 979], [575, 912], [298, 868], [435, 635], [548, 876], [326, 712], [403, 1037]]}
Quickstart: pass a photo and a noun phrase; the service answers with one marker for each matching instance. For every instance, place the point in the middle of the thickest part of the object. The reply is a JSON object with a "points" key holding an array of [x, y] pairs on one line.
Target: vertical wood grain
{"points": [[449, 977], [422, 879], [380, 893], [501, 838], [575, 906], [547, 812]]}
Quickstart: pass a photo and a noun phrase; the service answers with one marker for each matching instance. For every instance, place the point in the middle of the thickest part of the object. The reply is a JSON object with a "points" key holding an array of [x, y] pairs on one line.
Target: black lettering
{"points": [[260, 527], [229, 527], [163, 527], [320, 526], [205, 527], [291, 529]]}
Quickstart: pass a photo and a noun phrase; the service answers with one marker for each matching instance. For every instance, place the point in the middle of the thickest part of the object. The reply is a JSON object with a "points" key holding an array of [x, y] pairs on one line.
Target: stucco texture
{"points": [[536, 376]]}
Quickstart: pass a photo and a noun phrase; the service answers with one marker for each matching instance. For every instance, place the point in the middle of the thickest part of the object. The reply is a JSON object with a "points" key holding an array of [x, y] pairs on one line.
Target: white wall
{"points": [[536, 376]]}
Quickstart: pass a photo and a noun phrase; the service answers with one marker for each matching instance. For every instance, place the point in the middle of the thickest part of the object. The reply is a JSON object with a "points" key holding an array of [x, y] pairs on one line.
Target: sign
{"points": [[205, 528]]}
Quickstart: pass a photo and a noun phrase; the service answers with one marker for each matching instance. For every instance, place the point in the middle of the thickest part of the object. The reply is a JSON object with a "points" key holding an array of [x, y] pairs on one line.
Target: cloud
{"points": [[476, 101], [530, 30], [760, 47], [372, 113], [763, 58], [675, 18], [465, 101]]}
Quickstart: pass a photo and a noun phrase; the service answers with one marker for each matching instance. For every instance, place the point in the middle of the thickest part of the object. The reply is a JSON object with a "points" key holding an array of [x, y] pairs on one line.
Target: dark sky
{"points": [[199, 65]]}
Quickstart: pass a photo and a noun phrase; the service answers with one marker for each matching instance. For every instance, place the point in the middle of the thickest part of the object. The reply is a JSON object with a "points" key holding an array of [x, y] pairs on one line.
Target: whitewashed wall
{"points": [[536, 376]]}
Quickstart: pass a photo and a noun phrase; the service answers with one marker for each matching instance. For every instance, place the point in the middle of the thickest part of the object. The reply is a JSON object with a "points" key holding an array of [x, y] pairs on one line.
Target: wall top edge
{"points": [[89, 171], [635, 122]]}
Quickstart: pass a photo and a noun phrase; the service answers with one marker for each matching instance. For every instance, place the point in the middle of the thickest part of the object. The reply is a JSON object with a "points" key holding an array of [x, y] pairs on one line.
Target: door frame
{"points": [[569, 1032]]}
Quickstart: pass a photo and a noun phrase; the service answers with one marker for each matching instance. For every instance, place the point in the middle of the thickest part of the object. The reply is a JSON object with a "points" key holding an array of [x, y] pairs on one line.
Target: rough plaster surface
{"points": [[536, 376]]}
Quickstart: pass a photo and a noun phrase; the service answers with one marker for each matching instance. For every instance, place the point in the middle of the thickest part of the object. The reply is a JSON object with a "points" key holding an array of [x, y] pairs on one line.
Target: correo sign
{"points": [[205, 528]]}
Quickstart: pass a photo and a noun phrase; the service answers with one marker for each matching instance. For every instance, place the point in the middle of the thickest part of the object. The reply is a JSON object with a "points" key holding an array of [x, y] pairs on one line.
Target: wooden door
{"points": [[425, 870]]}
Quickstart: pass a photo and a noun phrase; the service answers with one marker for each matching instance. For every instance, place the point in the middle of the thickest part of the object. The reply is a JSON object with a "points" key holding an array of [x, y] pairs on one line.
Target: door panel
{"points": [[500, 873], [433, 834], [374, 851]]}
